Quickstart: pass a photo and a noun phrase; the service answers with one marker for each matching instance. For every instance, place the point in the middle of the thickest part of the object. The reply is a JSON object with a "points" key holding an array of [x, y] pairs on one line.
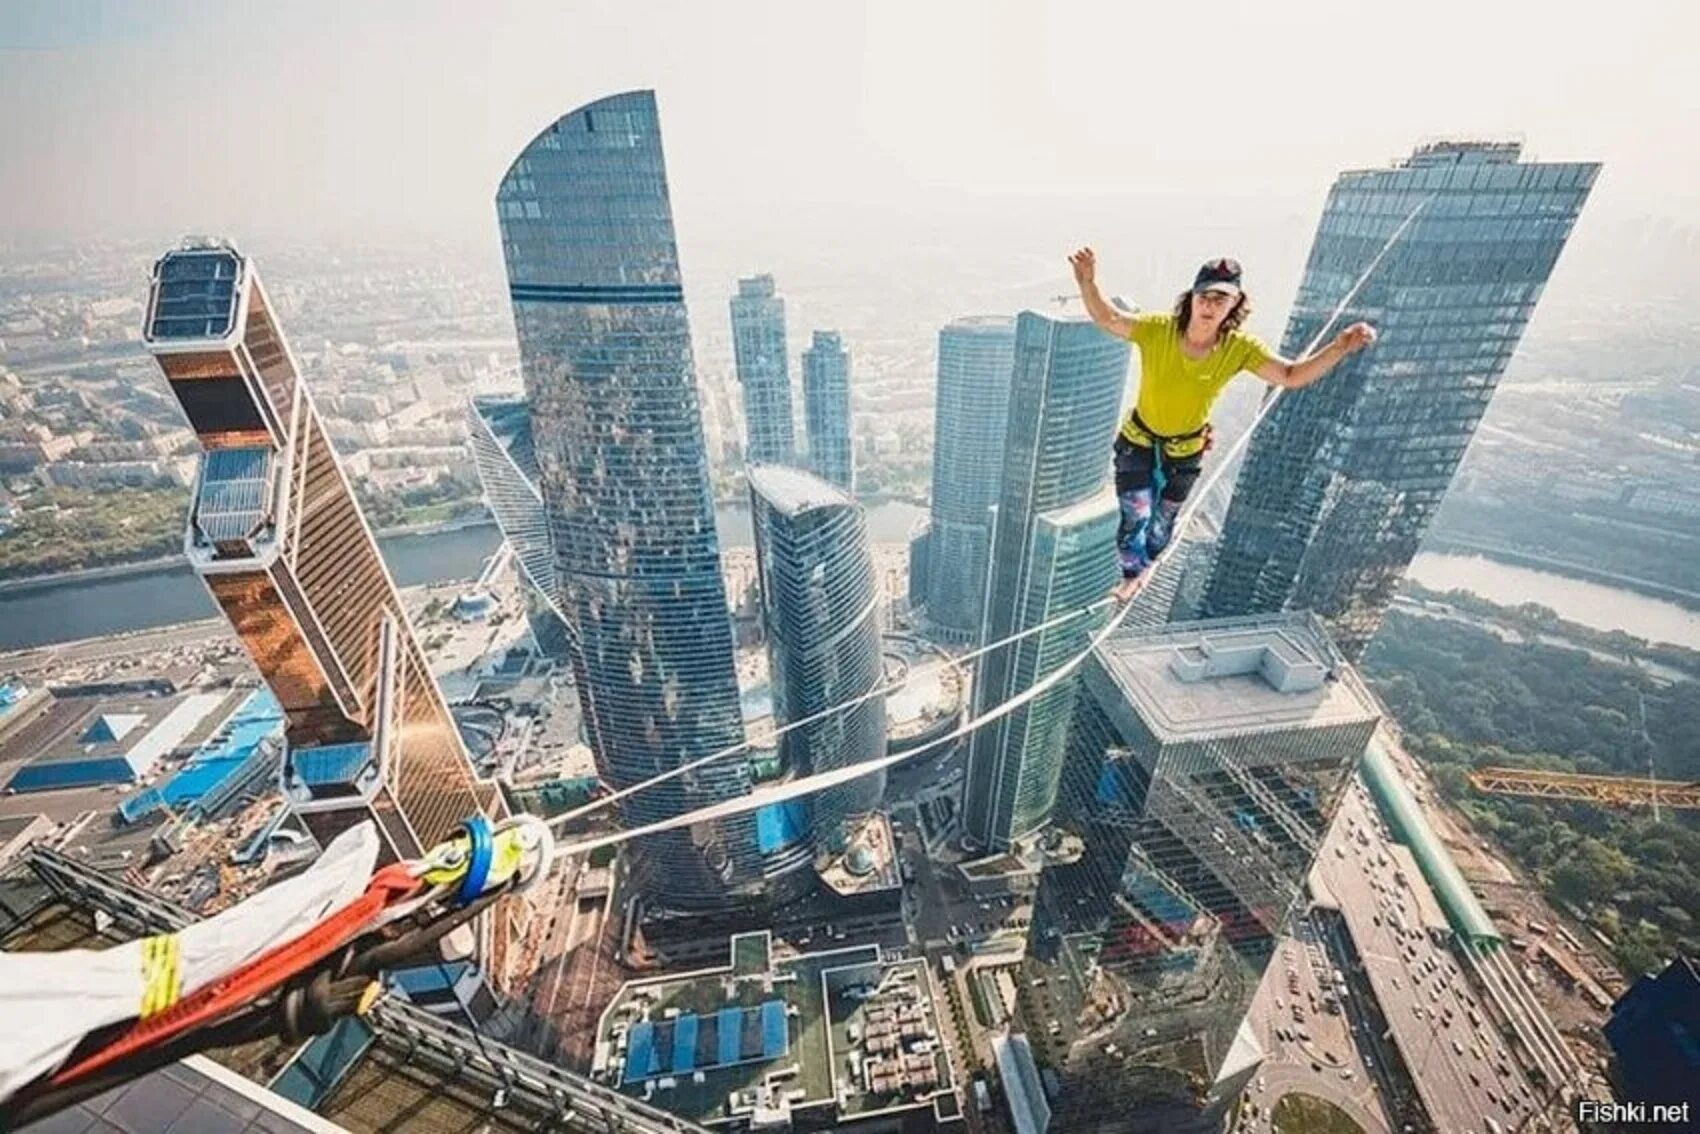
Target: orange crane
{"points": [[1609, 791]]}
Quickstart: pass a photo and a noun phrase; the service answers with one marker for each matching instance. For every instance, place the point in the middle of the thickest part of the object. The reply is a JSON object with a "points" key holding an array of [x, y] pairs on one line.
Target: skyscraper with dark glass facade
{"points": [[605, 348], [820, 601], [764, 372], [1342, 480], [1053, 550], [975, 359], [1205, 763], [826, 409]]}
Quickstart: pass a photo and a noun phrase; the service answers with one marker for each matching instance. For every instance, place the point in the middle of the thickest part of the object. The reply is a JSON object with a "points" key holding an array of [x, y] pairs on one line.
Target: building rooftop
{"points": [[82, 741], [1193, 681], [755, 287], [1027, 1103], [932, 693], [764, 1035], [870, 863], [1000, 324], [196, 295], [794, 491]]}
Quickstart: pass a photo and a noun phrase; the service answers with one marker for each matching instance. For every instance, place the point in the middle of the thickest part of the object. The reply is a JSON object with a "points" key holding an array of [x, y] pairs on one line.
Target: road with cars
{"points": [[1463, 1072]]}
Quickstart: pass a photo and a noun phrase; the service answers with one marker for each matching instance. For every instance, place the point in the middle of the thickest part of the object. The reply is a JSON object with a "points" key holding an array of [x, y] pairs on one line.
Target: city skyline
{"points": [[1170, 890]]}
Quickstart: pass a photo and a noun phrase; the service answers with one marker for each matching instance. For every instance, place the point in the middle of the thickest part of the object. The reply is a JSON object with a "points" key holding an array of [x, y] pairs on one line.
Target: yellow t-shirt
{"points": [[1176, 392]]}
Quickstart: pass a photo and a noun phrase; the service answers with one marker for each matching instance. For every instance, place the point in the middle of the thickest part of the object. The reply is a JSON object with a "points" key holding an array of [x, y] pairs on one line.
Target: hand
{"points": [[1085, 265], [1355, 338]]}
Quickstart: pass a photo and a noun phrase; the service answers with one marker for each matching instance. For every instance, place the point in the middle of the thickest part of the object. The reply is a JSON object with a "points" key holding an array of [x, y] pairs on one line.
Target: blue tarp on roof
{"points": [[685, 1044], [775, 1039], [73, 773], [239, 741], [729, 1025], [640, 1051]]}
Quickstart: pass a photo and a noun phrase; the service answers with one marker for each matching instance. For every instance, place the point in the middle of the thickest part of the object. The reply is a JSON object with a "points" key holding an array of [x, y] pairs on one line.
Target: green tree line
{"points": [[1466, 698]]}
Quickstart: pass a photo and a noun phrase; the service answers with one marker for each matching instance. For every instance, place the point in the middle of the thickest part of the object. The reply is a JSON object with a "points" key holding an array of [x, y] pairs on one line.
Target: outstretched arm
{"points": [[1085, 265], [1296, 375]]}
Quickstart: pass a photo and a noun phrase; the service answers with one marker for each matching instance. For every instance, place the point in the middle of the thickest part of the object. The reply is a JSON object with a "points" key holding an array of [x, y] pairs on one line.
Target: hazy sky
{"points": [[150, 119]]}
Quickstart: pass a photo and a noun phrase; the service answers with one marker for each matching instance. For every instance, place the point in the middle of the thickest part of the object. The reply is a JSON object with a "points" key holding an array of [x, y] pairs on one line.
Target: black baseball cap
{"points": [[1218, 275]]}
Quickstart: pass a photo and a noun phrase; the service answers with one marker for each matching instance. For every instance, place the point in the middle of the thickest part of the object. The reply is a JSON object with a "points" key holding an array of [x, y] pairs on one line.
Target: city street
{"points": [[1463, 1068]]}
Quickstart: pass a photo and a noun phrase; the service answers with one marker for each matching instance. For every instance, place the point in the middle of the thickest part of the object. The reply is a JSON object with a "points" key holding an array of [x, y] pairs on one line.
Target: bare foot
{"points": [[1127, 588]]}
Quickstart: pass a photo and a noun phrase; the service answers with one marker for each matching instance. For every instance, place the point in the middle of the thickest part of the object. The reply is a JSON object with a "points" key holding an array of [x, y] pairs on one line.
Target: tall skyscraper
{"points": [[826, 409], [1205, 763], [1340, 484], [276, 535], [500, 431], [1053, 550], [605, 349], [764, 371], [821, 604], [976, 356]]}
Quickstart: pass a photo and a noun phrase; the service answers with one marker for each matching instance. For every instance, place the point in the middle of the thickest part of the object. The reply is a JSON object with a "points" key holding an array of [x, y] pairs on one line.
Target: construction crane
{"points": [[1608, 791]]}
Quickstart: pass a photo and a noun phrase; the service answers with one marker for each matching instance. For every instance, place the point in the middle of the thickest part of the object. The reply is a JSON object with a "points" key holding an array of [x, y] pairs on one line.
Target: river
{"points": [[1576, 600], [54, 611], [65, 611]]}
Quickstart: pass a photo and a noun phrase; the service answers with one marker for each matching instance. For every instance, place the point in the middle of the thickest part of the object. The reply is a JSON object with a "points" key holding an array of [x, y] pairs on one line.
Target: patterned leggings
{"points": [[1142, 479]]}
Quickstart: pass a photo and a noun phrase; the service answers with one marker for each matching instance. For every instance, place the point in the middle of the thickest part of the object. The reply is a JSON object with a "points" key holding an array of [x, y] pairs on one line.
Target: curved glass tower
{"points": [[605, 349], [975, 357], [1053, 550], [821, 604]]}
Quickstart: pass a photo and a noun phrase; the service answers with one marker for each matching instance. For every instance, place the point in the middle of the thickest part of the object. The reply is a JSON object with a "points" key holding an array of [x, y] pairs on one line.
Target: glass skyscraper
{"points": [[276, 534], [500, 431], [764, 372], [826, 409], [605, 348], [820, 601], [969, 417], [1342, 480], [1053, 550], [1205, 763]]}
